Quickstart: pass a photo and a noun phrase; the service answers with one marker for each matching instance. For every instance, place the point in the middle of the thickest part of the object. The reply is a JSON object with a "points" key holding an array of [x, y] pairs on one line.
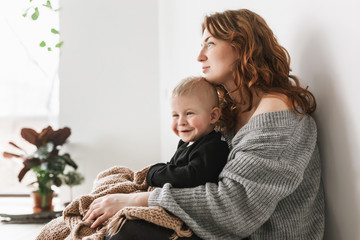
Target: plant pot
{"points": [[42, 202]]}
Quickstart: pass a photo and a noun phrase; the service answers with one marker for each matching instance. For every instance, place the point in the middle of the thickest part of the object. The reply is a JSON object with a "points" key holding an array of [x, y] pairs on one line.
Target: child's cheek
{"points": [[195, 122], [174, 127]]}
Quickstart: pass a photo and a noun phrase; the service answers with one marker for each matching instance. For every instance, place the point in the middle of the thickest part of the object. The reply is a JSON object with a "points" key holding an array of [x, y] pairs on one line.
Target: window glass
{"points": [[29, 81]]}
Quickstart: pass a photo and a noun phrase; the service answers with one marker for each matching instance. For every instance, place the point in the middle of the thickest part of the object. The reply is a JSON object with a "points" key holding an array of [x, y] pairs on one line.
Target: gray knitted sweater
{"points": [[270, 188]]}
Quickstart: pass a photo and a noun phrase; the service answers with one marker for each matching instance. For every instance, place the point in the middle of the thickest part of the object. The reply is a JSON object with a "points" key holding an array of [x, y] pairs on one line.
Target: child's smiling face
{"points": [[192, 116]]}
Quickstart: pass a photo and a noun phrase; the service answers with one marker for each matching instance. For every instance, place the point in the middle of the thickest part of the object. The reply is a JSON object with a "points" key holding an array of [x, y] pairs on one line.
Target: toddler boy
{"points": [[201, 154]]}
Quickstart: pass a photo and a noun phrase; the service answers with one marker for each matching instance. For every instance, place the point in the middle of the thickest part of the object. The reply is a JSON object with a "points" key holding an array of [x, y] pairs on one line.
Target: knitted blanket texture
{"points": [[114, 180]]}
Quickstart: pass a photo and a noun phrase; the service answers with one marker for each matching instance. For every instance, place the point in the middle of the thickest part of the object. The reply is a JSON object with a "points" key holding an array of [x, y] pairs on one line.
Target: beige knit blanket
{"points": [[114, 180]]}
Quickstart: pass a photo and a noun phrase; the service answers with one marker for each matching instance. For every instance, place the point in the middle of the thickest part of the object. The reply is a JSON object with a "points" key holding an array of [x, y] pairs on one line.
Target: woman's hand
{"points": [[105, 207]]}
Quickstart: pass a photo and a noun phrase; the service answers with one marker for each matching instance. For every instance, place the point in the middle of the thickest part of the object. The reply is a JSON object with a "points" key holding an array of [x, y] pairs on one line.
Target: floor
{"points": [[20, 205]]}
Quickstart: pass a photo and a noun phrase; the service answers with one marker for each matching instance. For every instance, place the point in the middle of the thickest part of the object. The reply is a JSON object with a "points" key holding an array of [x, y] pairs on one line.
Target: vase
{"points": [[42, 202]]}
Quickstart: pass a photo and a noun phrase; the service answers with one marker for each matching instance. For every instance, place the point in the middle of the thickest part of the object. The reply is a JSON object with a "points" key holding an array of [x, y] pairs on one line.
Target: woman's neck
{"points": [[243, 117]]}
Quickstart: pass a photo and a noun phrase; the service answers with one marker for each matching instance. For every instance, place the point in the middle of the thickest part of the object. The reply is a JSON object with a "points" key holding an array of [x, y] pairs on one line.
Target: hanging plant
{"points": [[35, 10]]}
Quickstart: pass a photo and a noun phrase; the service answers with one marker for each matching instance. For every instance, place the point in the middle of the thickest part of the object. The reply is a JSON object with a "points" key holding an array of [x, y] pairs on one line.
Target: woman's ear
{"points": [[215, 115]]}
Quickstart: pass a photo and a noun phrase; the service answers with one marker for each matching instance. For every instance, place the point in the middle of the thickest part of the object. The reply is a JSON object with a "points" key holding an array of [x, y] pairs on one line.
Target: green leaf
{"points": [[48, 4], [59, 45], [25, 14], [68, 160], [42, 44], [56, 164], [49, 49], [35, 14], [44, 151], [53, 30]]}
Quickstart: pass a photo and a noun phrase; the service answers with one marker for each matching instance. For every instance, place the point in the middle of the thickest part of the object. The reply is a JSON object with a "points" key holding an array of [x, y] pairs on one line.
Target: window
{"points": [[29, 82]]}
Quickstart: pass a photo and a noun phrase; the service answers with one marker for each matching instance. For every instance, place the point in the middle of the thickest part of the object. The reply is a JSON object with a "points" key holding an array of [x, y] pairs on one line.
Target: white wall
{"points": [[323, 39], [109, 87]]}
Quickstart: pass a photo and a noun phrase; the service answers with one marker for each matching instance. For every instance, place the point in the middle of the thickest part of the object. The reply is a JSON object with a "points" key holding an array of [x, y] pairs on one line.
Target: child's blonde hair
{"points": [[197, 85]]}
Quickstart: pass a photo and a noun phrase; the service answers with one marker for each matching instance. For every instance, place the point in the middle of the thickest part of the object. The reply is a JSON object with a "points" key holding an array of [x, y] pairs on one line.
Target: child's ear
{"points": [[215, 115]]}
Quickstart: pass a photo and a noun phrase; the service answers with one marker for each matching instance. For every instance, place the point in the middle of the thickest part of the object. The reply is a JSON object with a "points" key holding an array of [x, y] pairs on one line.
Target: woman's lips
{"points": [[205, 68]]}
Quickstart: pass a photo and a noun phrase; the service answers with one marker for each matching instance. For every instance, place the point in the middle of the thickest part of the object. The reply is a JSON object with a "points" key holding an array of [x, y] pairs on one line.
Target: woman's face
{"points": [[217, 57]]}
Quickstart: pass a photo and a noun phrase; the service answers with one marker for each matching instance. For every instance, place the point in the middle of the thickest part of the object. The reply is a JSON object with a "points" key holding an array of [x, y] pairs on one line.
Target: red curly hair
{"points": [[263, 64]]}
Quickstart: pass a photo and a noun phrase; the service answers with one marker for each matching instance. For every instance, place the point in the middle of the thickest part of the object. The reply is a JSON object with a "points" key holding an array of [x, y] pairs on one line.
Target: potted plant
{"points": [[46, 162]]}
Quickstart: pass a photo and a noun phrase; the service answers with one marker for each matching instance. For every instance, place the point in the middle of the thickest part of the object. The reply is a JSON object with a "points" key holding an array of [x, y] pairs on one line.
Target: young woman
{"points": [[271, 186]]}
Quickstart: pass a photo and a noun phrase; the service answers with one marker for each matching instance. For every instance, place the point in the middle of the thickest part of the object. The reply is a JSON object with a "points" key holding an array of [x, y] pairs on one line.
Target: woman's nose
{"points": [[202, 57]]}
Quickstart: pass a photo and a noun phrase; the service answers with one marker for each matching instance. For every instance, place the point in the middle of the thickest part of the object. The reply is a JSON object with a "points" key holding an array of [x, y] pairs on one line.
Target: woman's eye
{"points": [[175, 115], [189, 113], [209, 44]]}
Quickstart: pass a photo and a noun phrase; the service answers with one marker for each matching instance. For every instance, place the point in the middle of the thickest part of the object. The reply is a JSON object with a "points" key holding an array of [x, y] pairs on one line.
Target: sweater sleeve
{"points": [[265, 165], [204, 165]]}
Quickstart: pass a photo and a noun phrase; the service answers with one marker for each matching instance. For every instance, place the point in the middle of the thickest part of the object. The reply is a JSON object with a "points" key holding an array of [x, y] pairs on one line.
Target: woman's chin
{"points": [[211, 79]]}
